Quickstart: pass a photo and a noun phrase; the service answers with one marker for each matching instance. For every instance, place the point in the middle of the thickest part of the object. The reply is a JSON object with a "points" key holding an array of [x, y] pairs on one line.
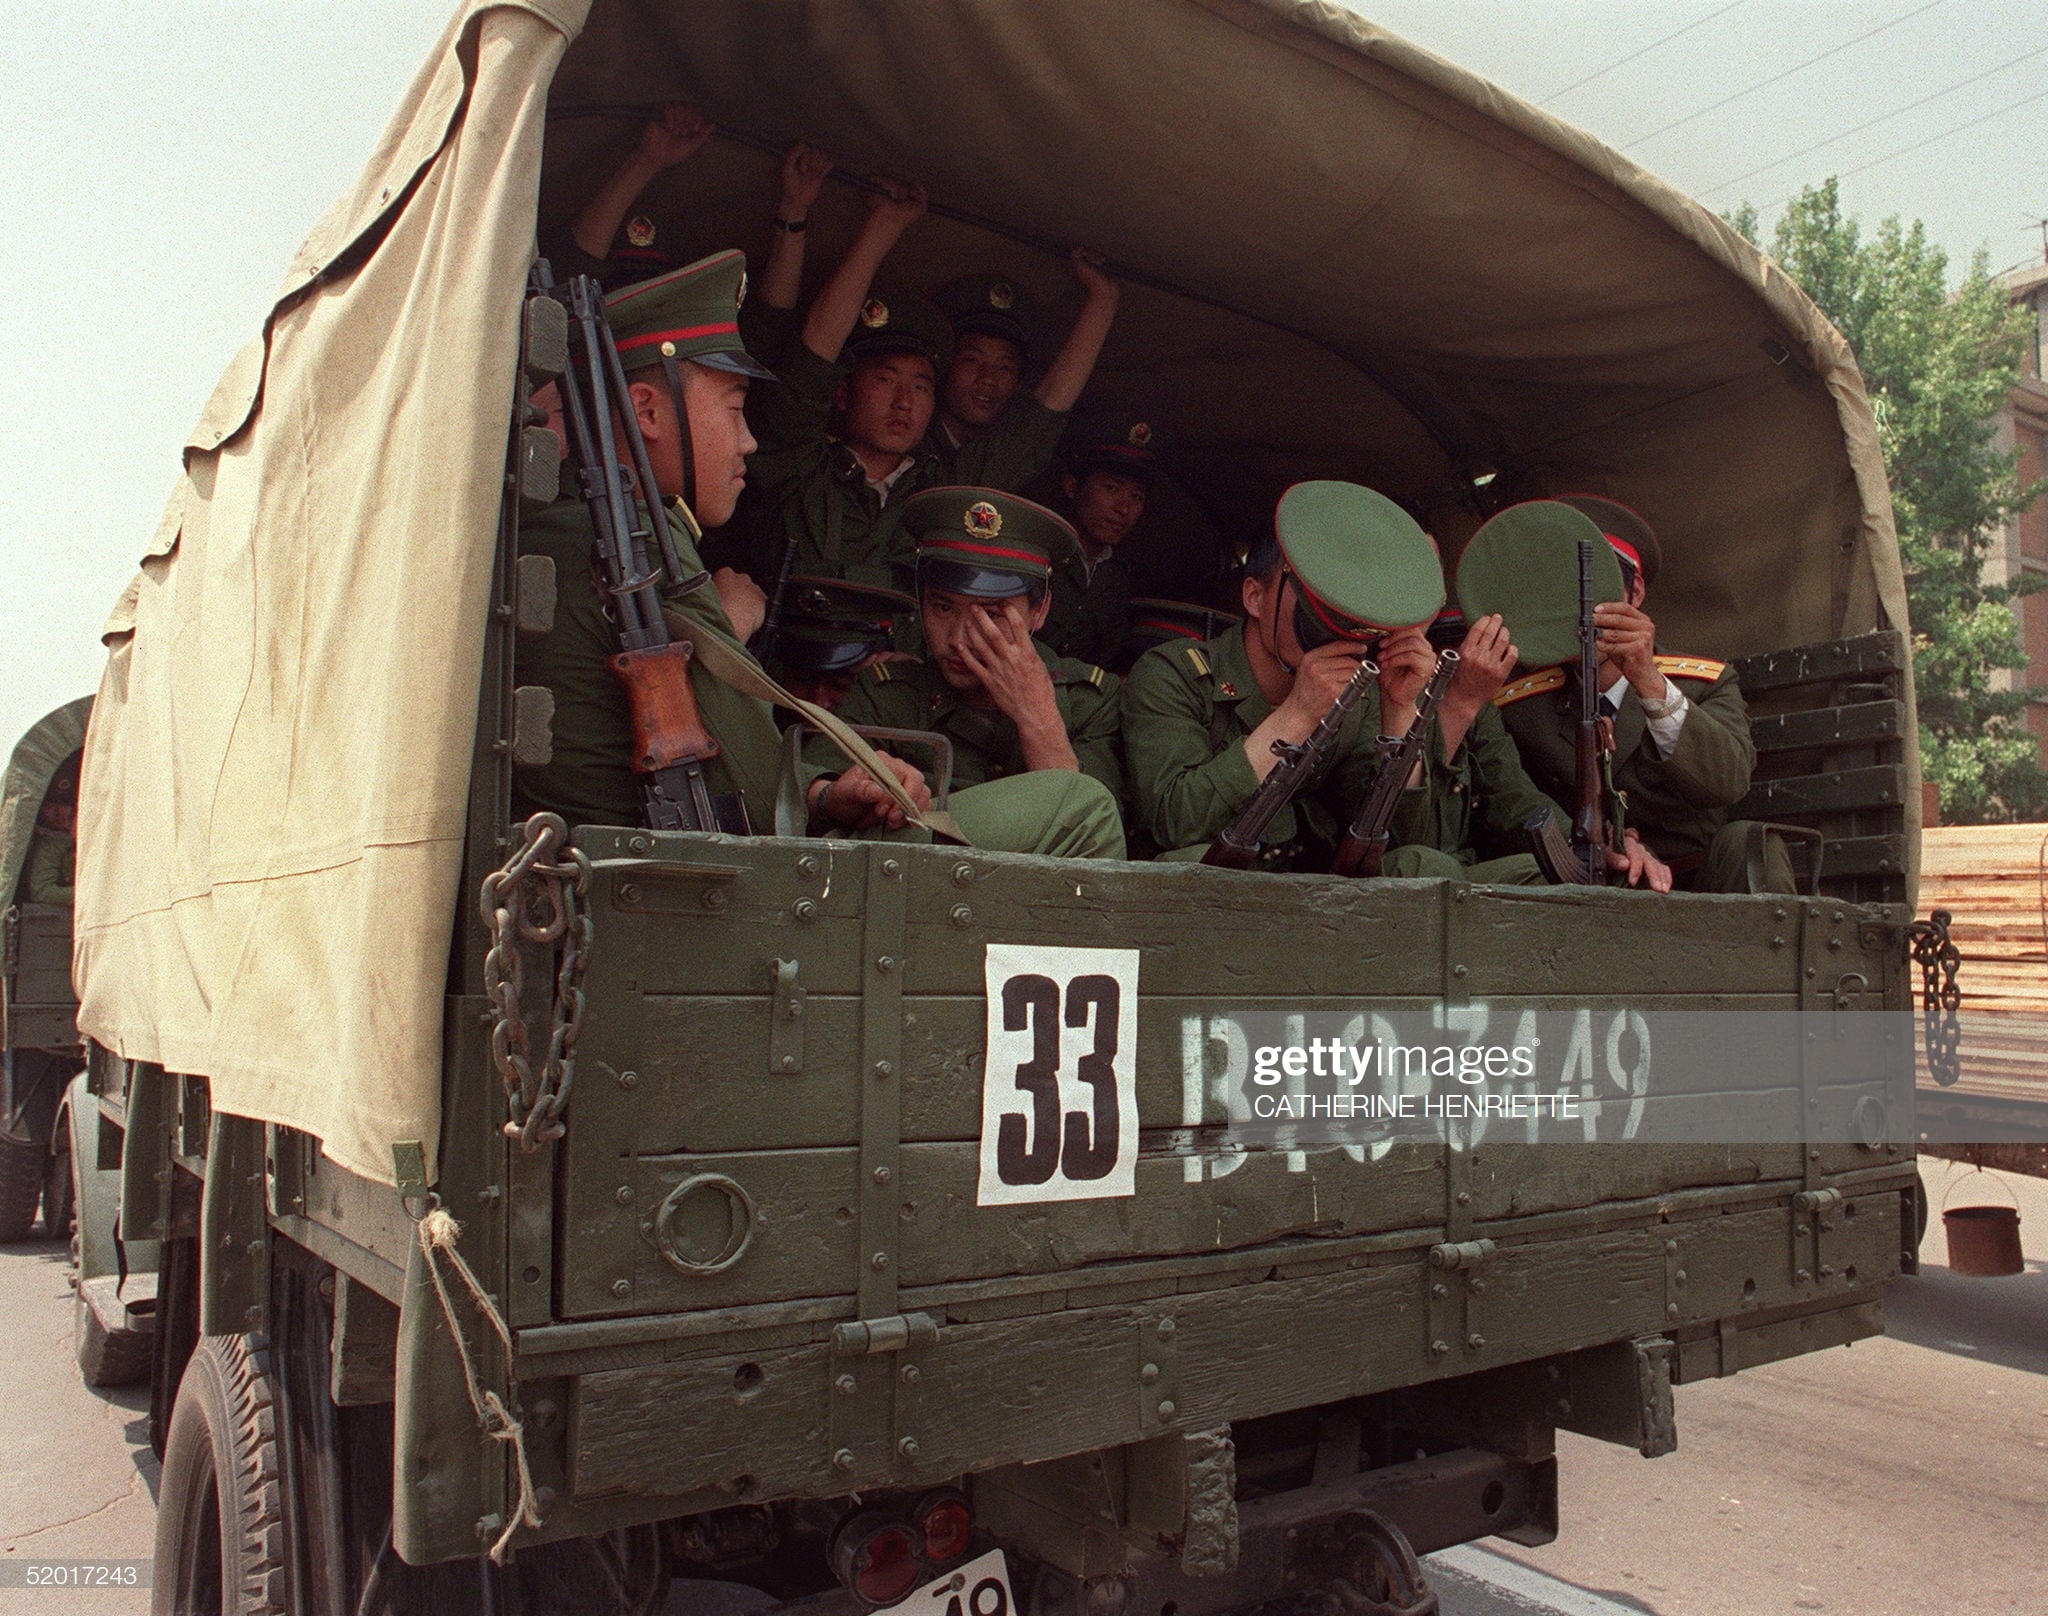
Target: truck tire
{"points": [[21, 1187], [220, 1527], [60, 1192]]}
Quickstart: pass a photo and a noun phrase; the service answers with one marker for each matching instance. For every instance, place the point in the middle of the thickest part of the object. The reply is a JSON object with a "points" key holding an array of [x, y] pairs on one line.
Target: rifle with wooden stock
{"points": [[1365, 840], [640, 566], [1596, 817], [1237, 845]]}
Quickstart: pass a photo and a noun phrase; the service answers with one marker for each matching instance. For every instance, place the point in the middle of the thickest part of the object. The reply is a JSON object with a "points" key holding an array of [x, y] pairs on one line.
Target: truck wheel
{"points": [[220, 1529], [21, 1187], [60, 1194]]}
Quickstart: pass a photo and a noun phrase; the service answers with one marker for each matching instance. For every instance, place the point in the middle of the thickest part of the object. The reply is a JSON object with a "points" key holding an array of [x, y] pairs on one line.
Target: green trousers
{"points": [[1416, 862], [1744, 856]]}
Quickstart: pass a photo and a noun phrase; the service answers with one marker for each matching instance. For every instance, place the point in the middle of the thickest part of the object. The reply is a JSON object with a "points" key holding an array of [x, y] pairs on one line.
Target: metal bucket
{"points": [[1983, 1241]]}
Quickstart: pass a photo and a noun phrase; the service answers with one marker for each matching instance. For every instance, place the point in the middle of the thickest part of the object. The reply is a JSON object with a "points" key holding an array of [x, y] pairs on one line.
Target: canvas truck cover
{"points": [[46, 744], [1344, 254]]}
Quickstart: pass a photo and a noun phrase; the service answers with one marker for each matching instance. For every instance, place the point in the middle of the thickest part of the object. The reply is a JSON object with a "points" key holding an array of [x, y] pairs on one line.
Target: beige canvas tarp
{"points": [[275, 782], [1343, 257]]}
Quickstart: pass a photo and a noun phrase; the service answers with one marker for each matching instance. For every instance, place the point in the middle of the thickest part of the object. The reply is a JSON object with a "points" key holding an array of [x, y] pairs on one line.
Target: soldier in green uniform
{"points": [[1112, 462], [591, 244], [1682, 748], [1344, 567], [699, 441], [47, 873], [829, 629], [1007, 704], [828, 503], [1155, 621]]}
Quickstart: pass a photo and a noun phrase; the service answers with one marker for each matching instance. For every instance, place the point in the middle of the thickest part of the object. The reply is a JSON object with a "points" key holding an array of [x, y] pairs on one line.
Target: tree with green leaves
{"points": [[1937, 364]]}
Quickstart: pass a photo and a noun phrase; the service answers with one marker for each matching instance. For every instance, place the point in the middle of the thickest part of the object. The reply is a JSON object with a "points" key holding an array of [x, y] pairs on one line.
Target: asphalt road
{"points": [[1894, 1478]]}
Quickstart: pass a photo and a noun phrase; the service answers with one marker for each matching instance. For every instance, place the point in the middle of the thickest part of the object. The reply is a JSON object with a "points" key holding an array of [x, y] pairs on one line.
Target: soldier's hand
{"points": [[996, 645], [743, 601], [1628, 639], [804, 169], [1096, 281], [679, 131], [1486, 656], [1644, 867], [1406, 660], [856, 800], [895, 205], [1319, 681]]}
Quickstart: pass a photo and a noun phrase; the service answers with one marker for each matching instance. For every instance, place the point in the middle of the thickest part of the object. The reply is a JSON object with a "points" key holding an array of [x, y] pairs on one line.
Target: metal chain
{"points": [[1939, 959], [533, 899]]}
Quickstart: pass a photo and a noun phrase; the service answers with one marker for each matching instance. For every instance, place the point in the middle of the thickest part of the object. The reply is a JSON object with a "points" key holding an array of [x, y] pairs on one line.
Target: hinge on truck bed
{"points": [[1456, 1287]]}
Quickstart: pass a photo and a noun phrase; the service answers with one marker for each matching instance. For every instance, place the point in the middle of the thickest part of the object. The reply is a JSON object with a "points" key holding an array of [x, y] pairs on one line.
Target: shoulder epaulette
{"points": [[1691, 667], [1095, 676], [1198, 660], [881, 673], [1531, 685]]}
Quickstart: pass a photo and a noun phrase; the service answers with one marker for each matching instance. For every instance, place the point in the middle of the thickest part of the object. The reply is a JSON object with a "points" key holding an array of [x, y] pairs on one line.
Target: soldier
{"points": [[828, 505], [1112, 463], [591, 245], [698, 442], [1344, 569], [1008, 706], [47, 872], [1683, 753], [830, 629]]}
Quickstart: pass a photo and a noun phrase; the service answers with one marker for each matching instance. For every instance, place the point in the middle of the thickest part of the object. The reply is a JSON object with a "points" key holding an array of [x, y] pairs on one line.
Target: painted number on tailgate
{"points": [[1059, 1095]]}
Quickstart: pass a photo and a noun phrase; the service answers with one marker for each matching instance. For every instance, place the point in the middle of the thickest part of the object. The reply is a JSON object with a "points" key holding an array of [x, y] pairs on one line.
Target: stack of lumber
{"points": [[1992, 879]]}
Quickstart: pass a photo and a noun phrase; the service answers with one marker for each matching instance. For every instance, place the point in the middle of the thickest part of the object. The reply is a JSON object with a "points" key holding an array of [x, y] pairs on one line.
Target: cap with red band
{"points": [[984, 543], [1362, 565], [690, 313], [1632, 538]]}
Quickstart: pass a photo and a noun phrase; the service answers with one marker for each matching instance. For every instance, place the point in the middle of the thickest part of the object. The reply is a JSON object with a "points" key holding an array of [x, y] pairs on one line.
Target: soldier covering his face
{"points": [[1683, 752], [1345, 568], [1008, 706]]}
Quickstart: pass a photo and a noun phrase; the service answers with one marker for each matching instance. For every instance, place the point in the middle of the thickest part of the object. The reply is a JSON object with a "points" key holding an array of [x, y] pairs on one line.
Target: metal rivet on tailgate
{"points": [[622, 1287]]}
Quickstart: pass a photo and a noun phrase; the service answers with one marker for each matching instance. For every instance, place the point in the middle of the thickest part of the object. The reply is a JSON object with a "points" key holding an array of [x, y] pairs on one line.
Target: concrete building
{"points": [[2023, 545]]}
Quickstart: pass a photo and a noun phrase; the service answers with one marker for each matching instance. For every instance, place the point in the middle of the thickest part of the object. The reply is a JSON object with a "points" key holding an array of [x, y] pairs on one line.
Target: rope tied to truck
{"points": [[438, 1232]]}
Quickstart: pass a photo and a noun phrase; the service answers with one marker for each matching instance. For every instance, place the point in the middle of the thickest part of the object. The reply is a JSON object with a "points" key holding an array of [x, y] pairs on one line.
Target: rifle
{"points": [[637, 556], [1365, 840], [1596, 823], [1237, 845]]}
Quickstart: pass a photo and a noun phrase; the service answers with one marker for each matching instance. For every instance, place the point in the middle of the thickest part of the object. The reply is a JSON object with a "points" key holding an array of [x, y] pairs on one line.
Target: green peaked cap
{"points": [[829, 624], [1116, 440], [979, 541], [1154, 621], [689, 313], [895, 325], [1524, 564], [1361, 560], [994, 305]]}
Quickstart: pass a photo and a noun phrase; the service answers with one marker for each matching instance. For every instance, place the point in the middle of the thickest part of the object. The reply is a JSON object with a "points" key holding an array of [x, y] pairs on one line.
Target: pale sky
{"points": [[163, 159]]}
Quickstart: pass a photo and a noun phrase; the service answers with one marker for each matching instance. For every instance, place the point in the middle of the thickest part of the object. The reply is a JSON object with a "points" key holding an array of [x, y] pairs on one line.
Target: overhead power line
{"points": [[1872, 123], [1654, 44], [1953, 129], [1764, 84]]}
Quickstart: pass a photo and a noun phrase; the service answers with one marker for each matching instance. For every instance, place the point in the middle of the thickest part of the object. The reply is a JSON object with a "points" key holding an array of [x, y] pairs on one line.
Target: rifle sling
{"points": [[735, 668]]}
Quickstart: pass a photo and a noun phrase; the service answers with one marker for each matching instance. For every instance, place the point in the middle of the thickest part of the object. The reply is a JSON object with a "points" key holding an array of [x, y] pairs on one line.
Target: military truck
{"points": [[39, 1043], [536, 1220]]}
